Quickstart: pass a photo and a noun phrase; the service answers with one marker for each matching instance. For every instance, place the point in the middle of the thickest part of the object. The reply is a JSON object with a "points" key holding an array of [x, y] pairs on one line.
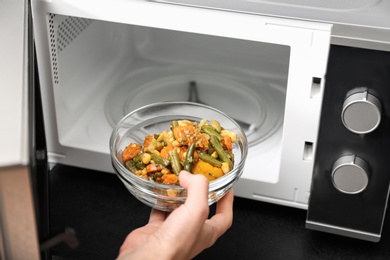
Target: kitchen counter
{"points": [[102, 212]]}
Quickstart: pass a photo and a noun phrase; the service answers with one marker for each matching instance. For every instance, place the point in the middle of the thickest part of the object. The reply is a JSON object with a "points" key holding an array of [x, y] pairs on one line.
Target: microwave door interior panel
{"points": [[99, 61]]}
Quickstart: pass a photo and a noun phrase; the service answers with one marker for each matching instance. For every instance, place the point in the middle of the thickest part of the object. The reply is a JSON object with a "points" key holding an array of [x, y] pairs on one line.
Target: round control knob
{"points": [[361, 113], [350, 174]]}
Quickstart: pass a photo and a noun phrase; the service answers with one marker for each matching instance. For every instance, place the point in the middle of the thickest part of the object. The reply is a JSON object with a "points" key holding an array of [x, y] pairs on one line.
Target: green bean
{"points": [[175, 161], [189, 160], [216, 125], [207, 158], [208, 129], [160, 160], [220, 151], [231, 155], [174, 124]]}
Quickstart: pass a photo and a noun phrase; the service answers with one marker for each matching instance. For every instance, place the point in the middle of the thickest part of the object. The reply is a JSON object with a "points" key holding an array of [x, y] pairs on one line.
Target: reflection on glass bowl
{"points": [[155, 118]]}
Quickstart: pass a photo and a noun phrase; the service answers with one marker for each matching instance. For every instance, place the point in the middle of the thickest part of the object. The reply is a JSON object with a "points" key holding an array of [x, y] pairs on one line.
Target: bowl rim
{"points": [[213, 184]]}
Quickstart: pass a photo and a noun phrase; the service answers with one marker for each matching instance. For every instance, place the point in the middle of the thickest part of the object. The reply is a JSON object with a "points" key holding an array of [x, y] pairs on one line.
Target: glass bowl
{"points": [[155, 118]]}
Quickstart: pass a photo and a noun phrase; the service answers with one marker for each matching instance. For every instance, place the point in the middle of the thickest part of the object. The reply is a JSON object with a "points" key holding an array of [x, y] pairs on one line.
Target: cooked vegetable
{"points": [[131, 151], [209, 159], [153, 168], [209, 171], [198, 147], [170, 178], [164, 153], [211, 131], [216, 125], [174, 124], [189, 159], [221, 152], [157, 159], [227, 141], [175, 161]]}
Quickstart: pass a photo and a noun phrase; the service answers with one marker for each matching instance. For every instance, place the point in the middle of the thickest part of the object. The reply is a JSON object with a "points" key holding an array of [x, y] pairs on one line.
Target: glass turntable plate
{"points": [[257, 106]]}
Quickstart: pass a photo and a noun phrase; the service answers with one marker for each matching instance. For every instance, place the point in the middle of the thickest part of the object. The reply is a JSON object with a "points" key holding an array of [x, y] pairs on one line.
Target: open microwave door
{"points": [[17, 207]]}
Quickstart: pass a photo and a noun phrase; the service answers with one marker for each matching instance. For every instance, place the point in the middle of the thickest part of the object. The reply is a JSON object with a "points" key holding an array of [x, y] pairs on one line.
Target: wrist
{"points": [[152, 249]]}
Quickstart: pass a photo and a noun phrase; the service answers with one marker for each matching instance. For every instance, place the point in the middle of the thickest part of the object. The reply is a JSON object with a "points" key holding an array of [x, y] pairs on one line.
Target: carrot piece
{"points": [[182, 151], [147, 140], [227, 142], [180, 133], [153, 168], [164, 152], [170, 178], [131, 151]]}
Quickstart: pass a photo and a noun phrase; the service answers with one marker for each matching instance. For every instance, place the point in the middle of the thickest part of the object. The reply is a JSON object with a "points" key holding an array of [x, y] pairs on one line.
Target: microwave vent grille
{"points": [[62, 33]]}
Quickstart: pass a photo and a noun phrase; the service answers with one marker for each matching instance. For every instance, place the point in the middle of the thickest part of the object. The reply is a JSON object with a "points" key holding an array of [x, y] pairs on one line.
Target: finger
{"points": [[156, 215], [197, 187], [225, 204], [196, 206], [223, 218], [216, 226], [187, 220]]}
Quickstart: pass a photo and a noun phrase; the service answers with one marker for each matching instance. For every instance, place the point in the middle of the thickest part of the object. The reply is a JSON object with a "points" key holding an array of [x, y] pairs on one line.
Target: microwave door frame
{"points": [[18, 215]]}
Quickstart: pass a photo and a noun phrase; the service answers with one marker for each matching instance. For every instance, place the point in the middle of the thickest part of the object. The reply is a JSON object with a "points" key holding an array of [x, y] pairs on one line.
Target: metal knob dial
{"points": [[350, 174], [361, 113]]}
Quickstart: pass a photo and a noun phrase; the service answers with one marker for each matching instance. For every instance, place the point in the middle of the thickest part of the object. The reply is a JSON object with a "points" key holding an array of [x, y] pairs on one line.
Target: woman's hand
{"points": [[186, 231]]}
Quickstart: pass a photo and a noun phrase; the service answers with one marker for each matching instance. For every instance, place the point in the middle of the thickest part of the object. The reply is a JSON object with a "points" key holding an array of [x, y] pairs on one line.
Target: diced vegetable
{"points": [[131, 151], [170, 179], [227, 141], [164, 151], [209, 171]]}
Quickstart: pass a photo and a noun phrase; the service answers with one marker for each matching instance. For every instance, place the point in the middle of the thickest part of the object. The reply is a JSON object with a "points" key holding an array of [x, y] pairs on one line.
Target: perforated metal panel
{"points": [[63, 31]]}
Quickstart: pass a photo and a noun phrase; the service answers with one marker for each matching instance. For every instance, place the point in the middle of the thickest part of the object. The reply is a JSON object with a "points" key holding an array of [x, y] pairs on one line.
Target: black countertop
{"points": [[102, 212]]}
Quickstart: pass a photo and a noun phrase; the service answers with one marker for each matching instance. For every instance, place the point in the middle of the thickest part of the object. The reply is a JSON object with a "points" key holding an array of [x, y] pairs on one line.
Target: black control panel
{"points": [[351, 174]]}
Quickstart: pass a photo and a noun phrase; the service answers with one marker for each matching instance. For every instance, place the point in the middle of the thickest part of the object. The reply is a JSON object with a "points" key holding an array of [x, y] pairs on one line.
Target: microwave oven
{"points": [[308, 81]]}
